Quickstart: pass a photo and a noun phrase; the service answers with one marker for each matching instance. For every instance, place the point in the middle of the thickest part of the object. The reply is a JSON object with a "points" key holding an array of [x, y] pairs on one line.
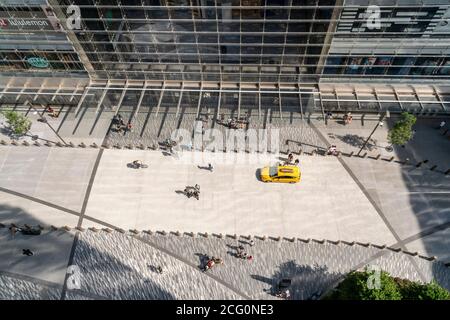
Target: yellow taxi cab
{"points": [[284, 174]]}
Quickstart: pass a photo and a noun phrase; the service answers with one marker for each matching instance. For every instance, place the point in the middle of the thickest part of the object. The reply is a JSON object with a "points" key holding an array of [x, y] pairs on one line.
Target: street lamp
{"points": [[379, 124]]}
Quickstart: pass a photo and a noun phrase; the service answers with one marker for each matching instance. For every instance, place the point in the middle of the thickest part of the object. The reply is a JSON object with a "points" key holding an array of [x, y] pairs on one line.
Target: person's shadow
{"points": [[205, 168], [203, 259]]}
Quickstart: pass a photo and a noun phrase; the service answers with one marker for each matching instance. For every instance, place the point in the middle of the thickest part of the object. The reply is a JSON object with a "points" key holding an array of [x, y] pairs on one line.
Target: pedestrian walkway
{"points": [[114, 265]]}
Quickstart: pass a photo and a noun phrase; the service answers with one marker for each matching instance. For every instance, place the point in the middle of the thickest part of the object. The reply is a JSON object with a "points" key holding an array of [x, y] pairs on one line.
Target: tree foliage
{"points": [[355, 287], [402, 130], [18, 123], [429, 291]]}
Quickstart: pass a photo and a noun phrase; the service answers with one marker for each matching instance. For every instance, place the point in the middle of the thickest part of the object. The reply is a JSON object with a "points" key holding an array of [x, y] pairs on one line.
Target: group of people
{"points": [[137, 164], [51, 112], [211, 263], [348, 118], [242, 254], [290, 161], [192, 191], [332, 150], [120, 124]]}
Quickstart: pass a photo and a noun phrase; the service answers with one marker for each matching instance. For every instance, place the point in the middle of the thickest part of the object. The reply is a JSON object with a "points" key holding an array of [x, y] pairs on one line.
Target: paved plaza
{"points": [[121, 266], [346, 198]]}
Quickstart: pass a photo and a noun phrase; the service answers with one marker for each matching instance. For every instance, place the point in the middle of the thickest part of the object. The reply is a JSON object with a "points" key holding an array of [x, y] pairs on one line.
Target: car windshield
{"points": [[273, 171]]}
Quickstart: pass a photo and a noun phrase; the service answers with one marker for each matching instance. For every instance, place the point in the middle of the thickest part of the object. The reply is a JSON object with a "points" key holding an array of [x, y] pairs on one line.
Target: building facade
{"points": [[282, 49], [228, 40]]}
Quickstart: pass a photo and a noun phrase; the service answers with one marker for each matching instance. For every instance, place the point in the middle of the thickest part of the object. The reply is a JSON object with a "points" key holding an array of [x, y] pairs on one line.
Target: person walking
{"points": [[290, 157], [13, 230]]}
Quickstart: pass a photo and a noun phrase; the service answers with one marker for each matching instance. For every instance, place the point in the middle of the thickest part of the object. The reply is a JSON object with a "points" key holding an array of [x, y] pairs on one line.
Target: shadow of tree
{"points": [[306, 281], [357, 141]]}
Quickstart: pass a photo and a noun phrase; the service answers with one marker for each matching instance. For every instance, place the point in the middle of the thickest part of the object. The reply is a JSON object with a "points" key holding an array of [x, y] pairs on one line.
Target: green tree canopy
{"points": [[356, 287], [18, 123], [402, 130], [429, 291]]}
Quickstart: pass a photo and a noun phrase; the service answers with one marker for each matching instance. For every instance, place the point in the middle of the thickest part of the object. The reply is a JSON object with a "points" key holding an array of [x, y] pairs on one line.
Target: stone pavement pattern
{"points": [[119, 266], [41, 185]]}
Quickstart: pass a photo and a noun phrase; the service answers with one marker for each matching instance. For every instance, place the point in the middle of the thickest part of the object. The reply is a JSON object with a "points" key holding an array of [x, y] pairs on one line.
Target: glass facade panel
{"points": [[127, 40]]}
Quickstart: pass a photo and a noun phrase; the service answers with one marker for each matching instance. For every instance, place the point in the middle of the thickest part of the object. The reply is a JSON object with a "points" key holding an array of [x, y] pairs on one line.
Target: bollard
{"points": [[14, 143], [378, 156], [391, 159], [149, 232], [378, 246], [94, 145], [130, 146], [141, 146], [37, 144], [48, 144], [59, 144], [79, 229], [71, 144], [362, 244], [52, 227], [206, 235], [106, 146], [447, 172], [395, 249], [414, 254], [94, 229], [25, 143], [108, 230], [3, 142], [177, 233], [445, 132], [120, 230], [67, 228], [406, 161], [82, 145], [418, 164], [433, 167], [350, 154], [134, 231]]}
